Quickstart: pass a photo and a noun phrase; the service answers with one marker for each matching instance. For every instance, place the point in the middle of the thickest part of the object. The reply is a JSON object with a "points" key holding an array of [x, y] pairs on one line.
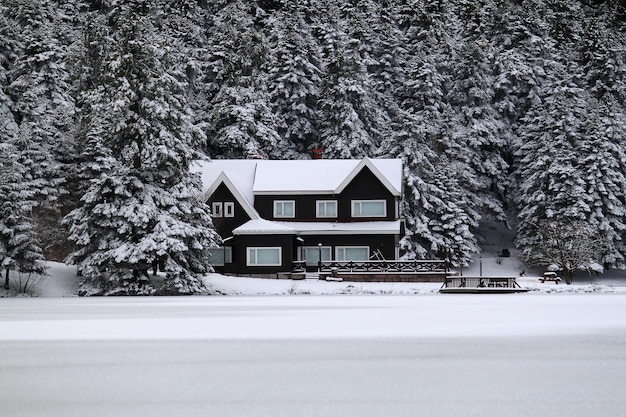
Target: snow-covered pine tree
{"points": [[351, 123], [294, 81], [143, 206], [602, 55], [10, 45], [477, 127], [603, 169], [552, 186], [41, 87], [440, 219], [19, 250], [239, 119]]}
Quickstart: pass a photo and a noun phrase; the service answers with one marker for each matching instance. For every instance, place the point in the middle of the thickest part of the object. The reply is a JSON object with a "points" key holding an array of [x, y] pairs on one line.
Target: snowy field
{"points": [[311, 348], [406, 351]]}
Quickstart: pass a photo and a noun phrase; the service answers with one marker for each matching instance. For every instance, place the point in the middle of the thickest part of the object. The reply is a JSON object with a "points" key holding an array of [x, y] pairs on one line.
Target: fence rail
{"points": [[379, 266]]}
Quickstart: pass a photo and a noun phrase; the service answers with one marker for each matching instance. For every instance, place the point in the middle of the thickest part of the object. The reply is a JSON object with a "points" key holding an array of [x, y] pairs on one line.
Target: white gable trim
{"points": [[223, 178], [367, 162]]}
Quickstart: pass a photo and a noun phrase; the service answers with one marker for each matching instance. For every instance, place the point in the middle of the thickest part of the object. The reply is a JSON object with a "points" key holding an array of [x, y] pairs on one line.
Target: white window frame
{"points": [[256, 249], [281, 204], [226, 254], [340, 258], [321, 208], [229, 209], [217, 209], [357, 208], [325, 250]]}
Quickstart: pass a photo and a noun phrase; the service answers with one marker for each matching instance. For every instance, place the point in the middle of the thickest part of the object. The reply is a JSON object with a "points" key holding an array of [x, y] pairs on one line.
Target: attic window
{"points": [[369, 208], [285, 209], [217, 209], [229, 209]]}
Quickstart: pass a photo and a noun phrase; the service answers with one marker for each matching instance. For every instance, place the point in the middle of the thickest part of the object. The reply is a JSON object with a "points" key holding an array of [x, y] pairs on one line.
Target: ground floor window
{"points": [[311, 254], [352, 253], [221, 256], [270, 256]]}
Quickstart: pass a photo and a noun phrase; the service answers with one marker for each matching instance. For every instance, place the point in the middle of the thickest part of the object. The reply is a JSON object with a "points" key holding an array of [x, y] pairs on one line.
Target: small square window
{"points": [[284, 209], [326, 208], [217, 209]]}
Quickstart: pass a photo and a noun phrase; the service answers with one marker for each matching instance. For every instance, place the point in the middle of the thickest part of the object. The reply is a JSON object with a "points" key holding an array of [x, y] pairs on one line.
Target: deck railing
{"points": [[378, 266]]}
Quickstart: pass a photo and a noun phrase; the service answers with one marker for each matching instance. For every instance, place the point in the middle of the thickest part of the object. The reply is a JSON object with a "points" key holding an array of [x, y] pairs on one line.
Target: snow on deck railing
{"points": [[379, 266]]}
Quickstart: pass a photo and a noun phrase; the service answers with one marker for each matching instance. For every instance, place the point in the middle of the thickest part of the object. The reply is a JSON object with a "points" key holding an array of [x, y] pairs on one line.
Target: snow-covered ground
{"points": [[62, 281], [340, 355], [315, 348]]}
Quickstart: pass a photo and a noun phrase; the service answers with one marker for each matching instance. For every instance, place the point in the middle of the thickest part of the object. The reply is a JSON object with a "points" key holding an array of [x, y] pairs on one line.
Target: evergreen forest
{"points": [[510, 111]]}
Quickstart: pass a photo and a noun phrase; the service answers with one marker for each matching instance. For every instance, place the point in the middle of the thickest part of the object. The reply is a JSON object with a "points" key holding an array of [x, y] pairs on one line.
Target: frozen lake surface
{"points": [[428, 355]]}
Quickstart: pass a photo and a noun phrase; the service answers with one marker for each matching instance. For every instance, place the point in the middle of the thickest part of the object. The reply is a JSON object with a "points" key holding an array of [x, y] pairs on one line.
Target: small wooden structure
{"points": [[475, 285]]}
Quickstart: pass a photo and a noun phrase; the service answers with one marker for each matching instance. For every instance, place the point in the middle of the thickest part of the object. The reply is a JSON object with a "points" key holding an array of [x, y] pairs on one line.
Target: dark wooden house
{"points": [[275, 214]]}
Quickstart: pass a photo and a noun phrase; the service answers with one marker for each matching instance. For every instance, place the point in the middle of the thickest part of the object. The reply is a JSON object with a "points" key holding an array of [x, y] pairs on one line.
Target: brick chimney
{"points": [[318, 153]]}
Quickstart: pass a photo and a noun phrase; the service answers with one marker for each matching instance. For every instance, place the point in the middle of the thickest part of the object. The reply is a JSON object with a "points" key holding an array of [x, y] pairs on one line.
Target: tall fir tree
{"points": [[142, 205], [351, 122], [239, 120], [294, 81], [552, 185], [19, 250], [603, 169]]}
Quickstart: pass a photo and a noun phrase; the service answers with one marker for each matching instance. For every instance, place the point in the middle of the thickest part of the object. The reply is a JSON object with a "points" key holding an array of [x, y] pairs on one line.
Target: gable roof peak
{"points": [[393, 168]]}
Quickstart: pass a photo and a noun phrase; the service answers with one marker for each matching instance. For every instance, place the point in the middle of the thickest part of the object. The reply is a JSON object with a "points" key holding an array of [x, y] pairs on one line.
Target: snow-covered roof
{"points": [[325, 176], [236, 174], [260, 226]]}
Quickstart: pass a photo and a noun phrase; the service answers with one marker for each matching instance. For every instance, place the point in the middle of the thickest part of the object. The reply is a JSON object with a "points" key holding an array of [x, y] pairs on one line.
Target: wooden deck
{"points": [[478, 285]]}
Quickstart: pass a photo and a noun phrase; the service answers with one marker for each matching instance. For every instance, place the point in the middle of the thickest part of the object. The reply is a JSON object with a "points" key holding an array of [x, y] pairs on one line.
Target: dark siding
{"points": [[225, 225], [286, 242], [366, 186], [305, 206], [386, 244]]}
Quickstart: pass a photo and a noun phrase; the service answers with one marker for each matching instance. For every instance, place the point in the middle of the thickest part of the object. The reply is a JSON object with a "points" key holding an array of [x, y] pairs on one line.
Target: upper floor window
{"points": [[229, 209], [326, 208], [284, 209], [369, 208], [217, 209]]}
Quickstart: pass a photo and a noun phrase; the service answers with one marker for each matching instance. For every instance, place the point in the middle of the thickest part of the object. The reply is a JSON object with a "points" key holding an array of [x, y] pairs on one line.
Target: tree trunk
{"points": [[6, 278], [567, 274]]}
